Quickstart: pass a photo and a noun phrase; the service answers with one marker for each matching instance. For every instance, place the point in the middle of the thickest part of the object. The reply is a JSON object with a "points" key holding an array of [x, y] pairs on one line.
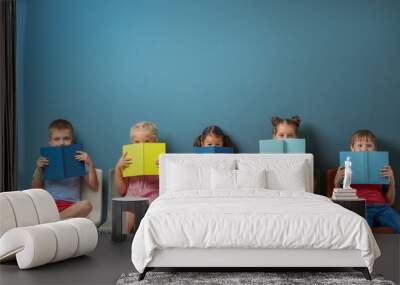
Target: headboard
{"points": [[209, 159]]}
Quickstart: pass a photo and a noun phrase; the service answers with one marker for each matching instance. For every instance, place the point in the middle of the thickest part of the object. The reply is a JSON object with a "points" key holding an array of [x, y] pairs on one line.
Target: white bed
{"points": [[247, 210]]}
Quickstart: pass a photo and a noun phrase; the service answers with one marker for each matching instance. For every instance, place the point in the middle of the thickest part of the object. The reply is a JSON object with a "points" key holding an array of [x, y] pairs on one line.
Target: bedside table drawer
{"points": [[357, 206]]}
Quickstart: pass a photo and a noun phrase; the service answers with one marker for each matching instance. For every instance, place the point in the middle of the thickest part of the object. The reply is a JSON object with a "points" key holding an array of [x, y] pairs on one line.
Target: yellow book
{"points": [[144, 158]]}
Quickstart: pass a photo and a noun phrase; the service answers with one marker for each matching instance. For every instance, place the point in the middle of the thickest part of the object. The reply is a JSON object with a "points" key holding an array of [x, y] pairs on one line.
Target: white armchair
{"points": [[31, 230], [95, 198]]}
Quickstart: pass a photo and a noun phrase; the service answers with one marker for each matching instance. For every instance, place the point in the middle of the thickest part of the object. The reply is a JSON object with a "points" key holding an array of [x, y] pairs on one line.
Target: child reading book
{"points": [[143, 185], [377, 198], [213, 136], [285, 128], [66, 192], [284, 137]]}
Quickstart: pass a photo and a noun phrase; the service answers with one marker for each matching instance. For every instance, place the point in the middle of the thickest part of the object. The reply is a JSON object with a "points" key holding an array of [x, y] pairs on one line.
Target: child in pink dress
{"points": [[142, 186]]}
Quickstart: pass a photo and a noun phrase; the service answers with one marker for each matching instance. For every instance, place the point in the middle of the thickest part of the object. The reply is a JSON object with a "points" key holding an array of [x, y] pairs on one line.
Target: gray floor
{"points": [[102, 266], [110, 259]]}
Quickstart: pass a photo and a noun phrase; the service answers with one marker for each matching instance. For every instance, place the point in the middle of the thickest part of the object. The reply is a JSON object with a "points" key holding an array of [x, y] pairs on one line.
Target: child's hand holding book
{"points": [[387, 171], [339, 176], [124, 162], [83, 157], [42, 162]]}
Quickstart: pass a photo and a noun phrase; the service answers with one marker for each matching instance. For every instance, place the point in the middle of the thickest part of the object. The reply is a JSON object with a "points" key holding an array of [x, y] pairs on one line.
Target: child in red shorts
{"points": [[66, 192]]}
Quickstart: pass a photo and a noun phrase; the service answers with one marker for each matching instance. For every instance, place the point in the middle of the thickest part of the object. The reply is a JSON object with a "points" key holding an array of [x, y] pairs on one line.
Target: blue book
{"points": [[73, 167], [62, 162], [272, 146], [295, 145], [212, 149], [283, 146], [55, 169], [366, 166]]}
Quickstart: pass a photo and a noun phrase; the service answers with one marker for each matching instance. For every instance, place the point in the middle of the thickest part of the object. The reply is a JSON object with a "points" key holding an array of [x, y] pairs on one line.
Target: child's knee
{"points": [[87, 206]]}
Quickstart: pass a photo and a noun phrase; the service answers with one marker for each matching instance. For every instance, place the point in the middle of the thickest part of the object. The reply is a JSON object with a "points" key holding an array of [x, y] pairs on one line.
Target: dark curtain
{"points": [[8, 100]]}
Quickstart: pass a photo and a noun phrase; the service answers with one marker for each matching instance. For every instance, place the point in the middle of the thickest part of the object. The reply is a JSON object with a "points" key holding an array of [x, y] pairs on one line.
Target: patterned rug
{"points": [[230, 278]]}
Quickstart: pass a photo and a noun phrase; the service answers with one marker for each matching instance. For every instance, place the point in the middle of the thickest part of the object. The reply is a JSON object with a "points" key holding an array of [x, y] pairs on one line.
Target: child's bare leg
{"points": [[130, 220], [80, 209]]}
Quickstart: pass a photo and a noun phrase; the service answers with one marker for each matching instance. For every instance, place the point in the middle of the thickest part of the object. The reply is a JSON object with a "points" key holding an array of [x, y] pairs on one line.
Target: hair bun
{"points": [[275, 120], [296, 120]]}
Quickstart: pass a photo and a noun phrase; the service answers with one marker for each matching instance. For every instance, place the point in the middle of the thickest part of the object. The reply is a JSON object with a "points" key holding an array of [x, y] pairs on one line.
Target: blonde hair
{"points": [[147, 126], [363, 134]]}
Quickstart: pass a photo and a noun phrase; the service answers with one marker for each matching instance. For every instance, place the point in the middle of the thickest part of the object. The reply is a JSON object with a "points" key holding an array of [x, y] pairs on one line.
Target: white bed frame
{"points": [[246, 258]]}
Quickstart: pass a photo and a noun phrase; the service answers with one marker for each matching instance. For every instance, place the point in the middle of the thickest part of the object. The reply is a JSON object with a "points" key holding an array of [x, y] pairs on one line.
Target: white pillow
{"points": [[291, 179], [280, 174], [223, 179], [237, 179], [190, 175], [181, 177], [251, 178]]}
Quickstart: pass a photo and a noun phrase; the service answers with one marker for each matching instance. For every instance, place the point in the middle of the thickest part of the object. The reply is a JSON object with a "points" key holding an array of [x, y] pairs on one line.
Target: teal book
{"points": [[366, 166], [55, 169], [62, 162], [283, 146], [212, 149]]}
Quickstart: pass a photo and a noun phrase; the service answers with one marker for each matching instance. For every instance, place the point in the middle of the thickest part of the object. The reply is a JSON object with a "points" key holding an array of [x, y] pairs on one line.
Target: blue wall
{"points": [[187, 64]]}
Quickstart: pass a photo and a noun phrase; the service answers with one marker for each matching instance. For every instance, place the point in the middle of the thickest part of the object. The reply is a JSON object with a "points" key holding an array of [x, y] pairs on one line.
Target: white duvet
{"points": [[250, 219]]}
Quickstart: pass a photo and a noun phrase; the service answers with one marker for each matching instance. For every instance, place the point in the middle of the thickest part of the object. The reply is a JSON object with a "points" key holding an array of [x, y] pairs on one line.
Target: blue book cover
{"points": [[73, 167], [359, 166], [295, 145], [272, 146], [366, 166], [283, 146], [55, 169], [212, 149], [62, 162], [377, 160]]}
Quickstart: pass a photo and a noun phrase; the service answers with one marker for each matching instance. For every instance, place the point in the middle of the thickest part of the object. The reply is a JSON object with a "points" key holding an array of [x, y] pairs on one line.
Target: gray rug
{"points": [[228, 278]]}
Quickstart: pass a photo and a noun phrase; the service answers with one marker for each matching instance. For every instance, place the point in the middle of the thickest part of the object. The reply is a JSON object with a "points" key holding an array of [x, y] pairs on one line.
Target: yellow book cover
{"points": [[144, 158]]}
